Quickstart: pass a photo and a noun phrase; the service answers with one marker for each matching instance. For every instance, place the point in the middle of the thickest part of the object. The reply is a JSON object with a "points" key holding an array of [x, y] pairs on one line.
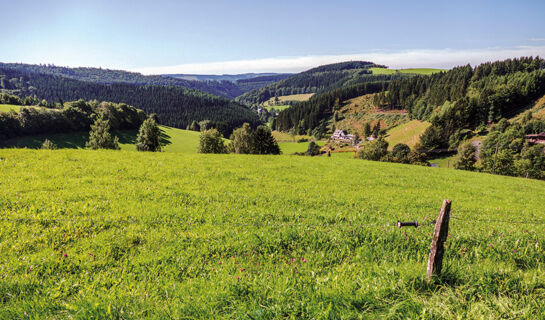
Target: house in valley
{"points": [[536, 138], [342, 136]]}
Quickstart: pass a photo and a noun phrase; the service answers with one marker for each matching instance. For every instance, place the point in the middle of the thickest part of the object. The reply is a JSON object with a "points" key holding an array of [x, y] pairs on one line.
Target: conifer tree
{"points": [[100, 137], [149, 136]]}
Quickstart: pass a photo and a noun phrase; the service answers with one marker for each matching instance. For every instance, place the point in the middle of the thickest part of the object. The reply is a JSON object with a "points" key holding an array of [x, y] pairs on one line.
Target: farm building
{"points": [[342, 136], [536, 138]]}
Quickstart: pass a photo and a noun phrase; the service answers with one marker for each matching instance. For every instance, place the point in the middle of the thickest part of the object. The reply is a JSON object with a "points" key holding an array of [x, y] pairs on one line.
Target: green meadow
{"points": [[9, 107], [293, 147], [127, 235], [424, 71], [408, 133], [173, 140]]}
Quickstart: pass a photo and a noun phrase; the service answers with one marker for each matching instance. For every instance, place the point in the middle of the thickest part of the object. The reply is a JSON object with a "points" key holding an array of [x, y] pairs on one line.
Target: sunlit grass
{"points": [[127, 235]]}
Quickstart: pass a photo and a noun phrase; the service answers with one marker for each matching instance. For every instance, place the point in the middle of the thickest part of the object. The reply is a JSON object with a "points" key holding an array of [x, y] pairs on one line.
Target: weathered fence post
{"points": [[437, 244]]}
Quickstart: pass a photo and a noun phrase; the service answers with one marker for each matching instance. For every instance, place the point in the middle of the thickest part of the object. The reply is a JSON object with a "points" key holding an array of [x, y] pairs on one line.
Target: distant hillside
{"points": [[228, 77], [225, 89], [318, 80], [175, 106]]}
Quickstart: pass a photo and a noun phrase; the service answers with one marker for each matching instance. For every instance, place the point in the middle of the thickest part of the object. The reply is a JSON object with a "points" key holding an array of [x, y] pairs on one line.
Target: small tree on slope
{"points": [[100, 137], [149, 136]]}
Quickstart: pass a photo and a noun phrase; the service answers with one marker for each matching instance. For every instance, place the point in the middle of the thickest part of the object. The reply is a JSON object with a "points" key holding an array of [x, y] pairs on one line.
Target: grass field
{"points": [[292, 147], [174, 140], [9, 107], [127, 235], [292, 97], [408, 133], [413, 70], [277, 108], [444, 162]]}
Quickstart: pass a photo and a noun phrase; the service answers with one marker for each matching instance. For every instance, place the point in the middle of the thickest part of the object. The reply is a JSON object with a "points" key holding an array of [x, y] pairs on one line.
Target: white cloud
{"points": [[444, 58]]}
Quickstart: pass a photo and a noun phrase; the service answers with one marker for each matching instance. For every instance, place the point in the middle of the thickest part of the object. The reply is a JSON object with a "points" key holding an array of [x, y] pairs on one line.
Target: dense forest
{"points": [[70, 117], [313, 114], [223, 88], [318, 80], [175, 106], [467, 98]]}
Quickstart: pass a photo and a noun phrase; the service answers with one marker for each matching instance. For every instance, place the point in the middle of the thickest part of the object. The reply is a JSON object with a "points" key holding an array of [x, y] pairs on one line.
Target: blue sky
{"points": [[243, 36]]}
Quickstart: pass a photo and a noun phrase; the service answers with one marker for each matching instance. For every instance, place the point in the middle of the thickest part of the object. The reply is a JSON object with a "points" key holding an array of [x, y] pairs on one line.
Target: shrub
{"points": [[400, 152], [49, 145], [374, 150], [313, 149], [465, 159], [211, 141]]}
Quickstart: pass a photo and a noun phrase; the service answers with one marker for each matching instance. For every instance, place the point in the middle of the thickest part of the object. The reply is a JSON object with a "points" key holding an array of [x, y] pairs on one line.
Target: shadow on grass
{"points": [[165, 138], [73, 140]]}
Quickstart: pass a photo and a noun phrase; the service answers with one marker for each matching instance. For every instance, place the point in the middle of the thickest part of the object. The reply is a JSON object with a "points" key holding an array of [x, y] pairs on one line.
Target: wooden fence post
{"points": [[437, 244]]}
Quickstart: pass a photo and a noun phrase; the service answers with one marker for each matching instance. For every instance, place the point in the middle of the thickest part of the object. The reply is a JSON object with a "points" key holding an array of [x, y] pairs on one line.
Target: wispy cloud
{"points": [[537, 39], [444, 58]]}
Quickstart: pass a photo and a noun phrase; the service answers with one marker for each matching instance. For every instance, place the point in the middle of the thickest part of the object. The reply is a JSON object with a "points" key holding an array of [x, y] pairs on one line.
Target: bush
{"points": [[49, 145], [313, 149], [466, 158], [400, 152], [211, 141], [374, 150]]}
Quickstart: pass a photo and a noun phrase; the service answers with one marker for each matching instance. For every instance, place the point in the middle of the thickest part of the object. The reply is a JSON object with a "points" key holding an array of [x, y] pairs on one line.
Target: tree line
{"points": [[174, 106], [71, 117]]}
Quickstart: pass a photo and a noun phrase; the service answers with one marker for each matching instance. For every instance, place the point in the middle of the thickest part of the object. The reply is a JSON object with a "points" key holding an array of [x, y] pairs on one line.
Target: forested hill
{"points": [[467, 97], [227, 89], [175, 106], [318, 80]]}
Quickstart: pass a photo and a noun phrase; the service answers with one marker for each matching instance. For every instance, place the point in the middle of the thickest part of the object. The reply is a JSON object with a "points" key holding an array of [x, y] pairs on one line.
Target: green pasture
{"points": [[173, 140], [424, 71], [128, 235], [9, 107]]}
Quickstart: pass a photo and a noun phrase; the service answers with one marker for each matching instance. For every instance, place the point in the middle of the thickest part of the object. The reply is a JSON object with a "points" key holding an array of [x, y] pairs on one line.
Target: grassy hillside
{"points": [[358, 111], [408, 133], [293, 147], [291, 97], [9, 107], [174, 140], [113, 234], [424, 71]]}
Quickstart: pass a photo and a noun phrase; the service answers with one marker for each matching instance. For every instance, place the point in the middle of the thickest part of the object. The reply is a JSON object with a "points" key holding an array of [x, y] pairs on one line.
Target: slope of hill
{"points": [[173, 140], [230, 77], [422, 71], [225, 89], [175, 106], [356, 112], [318, 80], [408, 133], [9, 107], [114, 234]]}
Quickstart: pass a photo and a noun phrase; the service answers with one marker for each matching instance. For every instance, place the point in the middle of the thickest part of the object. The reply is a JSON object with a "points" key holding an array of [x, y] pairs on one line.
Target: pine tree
{"points": [[149, 136], [367, 130], [263, 142], [100, 137]]}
